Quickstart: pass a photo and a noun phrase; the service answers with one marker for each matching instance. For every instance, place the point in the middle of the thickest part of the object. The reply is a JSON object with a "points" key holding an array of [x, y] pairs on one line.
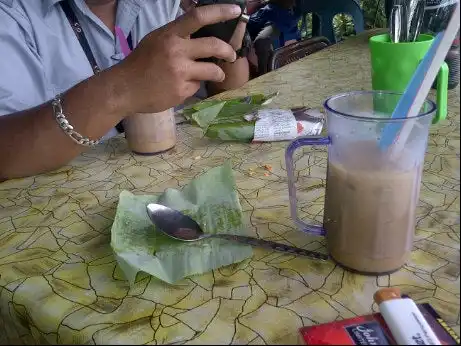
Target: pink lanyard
{"points": [[123, 41]]}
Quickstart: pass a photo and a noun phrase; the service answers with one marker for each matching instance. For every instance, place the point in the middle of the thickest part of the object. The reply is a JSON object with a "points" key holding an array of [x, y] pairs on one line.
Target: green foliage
{"points": [[373, 11]]}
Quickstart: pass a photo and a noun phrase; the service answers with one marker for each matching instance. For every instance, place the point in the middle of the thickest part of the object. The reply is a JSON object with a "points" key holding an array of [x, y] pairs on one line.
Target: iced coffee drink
{"points": [[370, 210]]}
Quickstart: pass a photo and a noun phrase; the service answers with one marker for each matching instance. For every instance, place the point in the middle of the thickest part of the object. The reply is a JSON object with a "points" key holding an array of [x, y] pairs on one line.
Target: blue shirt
{"points": [[285, 20], [41, 56]]}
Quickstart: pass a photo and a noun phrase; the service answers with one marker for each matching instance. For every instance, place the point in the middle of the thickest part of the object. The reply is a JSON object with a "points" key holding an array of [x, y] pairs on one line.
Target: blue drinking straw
{"points": [[417, 90]]}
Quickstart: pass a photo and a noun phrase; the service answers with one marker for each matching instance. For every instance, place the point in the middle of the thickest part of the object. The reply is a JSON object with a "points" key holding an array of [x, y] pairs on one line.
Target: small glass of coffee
{"points": [[151, 133]]}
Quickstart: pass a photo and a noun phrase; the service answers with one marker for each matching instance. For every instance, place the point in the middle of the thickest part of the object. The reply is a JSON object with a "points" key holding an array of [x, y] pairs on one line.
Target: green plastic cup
{"points": [[393, 65]]}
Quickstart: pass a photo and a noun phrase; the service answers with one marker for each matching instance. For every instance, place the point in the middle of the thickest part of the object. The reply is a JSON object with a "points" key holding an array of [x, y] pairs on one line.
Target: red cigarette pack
{"points": [[370, 330]]}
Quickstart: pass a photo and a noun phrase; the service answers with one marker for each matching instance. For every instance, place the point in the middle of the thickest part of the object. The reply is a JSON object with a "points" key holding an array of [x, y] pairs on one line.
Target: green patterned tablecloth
{"points": [[59, 282]]}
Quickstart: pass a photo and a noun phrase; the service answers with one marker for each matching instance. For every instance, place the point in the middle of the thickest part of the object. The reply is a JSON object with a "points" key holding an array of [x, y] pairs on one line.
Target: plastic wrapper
{"points": [[273, 125], [370, 330]]}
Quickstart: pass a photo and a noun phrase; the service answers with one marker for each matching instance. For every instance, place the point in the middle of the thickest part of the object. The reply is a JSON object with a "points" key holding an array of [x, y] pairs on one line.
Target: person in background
{"points": [[187, 5], [65, 54], [277, 20]]}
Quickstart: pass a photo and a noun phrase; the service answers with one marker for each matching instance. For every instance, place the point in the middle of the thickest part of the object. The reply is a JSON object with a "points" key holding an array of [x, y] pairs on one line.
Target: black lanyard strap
{"points": [[75, 24]]}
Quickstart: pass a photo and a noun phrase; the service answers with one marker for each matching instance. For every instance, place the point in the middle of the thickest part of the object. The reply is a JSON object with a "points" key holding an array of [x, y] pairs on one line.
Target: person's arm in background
{"points": [[31, 141], [238, 72]]}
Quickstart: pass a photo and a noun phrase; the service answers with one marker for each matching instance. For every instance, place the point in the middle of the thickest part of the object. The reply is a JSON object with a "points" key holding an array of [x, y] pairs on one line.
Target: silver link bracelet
{"points": [[68, 128]]}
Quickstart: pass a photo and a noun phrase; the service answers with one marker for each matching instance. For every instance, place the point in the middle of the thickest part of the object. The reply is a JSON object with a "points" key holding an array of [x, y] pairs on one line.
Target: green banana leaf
{"points": [[224, 119], [242, 131], [210, 199]]}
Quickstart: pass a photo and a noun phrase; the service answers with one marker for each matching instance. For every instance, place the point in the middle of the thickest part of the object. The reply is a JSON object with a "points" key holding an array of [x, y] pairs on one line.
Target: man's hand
{"points": [[162, 71]]}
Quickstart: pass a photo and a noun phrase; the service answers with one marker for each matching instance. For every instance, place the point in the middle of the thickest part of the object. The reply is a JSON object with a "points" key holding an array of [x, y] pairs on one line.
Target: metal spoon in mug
{"points": [[181, 227], [404, 21], [395, 24], [416, 21]]}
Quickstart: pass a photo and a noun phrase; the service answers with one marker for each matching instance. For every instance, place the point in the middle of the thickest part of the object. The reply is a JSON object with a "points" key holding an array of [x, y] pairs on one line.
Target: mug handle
{"points": [[442, 94], [292, 147]]}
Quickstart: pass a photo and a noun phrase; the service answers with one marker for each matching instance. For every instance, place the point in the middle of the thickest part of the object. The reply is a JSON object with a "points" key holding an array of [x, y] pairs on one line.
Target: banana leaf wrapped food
{"points": [[225, 119], [244, 119]]}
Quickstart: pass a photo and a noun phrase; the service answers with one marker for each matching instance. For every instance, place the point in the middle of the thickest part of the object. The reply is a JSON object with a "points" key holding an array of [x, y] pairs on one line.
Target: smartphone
{"points": [[224, 30]]}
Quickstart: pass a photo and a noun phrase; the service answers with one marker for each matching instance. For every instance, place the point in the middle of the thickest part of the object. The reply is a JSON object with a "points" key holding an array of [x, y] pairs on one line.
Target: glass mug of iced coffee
{"points": [[372, 188]]}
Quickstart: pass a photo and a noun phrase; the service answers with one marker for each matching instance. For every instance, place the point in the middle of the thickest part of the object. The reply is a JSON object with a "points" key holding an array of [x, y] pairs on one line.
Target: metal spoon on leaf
{"points": [[181, 227]]}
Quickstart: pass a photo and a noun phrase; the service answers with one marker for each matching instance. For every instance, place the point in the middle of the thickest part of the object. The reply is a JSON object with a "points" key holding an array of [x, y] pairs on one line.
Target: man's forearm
{"points": [[237, 74], [32, 142]]}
